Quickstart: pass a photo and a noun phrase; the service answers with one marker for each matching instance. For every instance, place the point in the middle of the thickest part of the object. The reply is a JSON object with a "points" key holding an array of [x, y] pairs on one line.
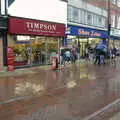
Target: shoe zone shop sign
{"points": [[86, 32]]}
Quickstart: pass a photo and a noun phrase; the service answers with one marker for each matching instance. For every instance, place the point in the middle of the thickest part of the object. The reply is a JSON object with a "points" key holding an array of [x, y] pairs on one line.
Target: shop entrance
{"points": [[83, 46], [83, 43], [35, 51]]}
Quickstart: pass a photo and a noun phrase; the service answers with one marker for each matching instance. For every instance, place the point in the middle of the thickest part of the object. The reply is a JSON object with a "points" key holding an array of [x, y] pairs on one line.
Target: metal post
{"points": [[46, 47], [6, 7], [78, 49], [109, 22], [0, 8], [59, 52]]}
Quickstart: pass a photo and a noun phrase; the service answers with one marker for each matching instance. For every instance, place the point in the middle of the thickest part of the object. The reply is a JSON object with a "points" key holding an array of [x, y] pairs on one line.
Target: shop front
{"points": [[114, 42], [84, 37], [34, 41], [115, 38]]}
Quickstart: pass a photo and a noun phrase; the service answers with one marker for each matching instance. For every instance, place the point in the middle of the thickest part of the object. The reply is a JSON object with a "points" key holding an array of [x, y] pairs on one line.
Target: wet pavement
{"points": [[78, 92]]}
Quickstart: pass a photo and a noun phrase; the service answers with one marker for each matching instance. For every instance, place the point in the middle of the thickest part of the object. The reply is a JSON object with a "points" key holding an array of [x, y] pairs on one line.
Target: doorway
{"points": [[83, 49], [83, 45]]}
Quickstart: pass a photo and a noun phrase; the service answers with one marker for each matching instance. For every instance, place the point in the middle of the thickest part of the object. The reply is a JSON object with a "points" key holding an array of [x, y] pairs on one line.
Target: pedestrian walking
{"points": [[97, 56], [101, 50], [114, 51], [74, 54], [67, 56], [91, 54], [62, 59]]}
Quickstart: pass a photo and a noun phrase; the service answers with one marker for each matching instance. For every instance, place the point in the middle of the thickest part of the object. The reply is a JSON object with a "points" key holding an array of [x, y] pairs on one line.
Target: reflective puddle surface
{"points": [[75, 93]]}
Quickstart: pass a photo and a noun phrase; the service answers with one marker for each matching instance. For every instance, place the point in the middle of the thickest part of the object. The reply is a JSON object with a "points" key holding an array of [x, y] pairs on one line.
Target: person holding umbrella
{"points": [[100, 50]]}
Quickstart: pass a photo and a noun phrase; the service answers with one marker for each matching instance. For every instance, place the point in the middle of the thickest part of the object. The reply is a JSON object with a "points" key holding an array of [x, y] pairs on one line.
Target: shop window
{"points": [[100, 21], [89, 19], [80, 16], [84, 17], [118, 22], [112, 20], [104, 22], [76, 15], [95, 20], [69, 13], [37, 51]]}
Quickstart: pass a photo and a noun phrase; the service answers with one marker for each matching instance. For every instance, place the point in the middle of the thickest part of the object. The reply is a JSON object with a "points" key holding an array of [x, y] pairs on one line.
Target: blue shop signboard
{"points": [[86, 32]]}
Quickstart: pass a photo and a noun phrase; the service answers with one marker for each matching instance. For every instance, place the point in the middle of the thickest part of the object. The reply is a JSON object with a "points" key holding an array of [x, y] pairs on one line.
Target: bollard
{"points": [[54, 63]]}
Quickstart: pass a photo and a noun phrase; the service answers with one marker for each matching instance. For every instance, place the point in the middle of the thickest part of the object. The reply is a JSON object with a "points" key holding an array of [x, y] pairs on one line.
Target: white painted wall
{"points": [[3, 7], [49, 10]]}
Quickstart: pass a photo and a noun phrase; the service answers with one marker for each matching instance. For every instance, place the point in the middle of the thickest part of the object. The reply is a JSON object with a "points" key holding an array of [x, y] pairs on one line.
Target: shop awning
{"points": [[115, 37], [86, 32]]}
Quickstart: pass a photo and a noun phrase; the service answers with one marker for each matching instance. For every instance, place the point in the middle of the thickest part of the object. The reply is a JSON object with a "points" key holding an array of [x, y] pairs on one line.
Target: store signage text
{"points": [[22, 26], [85, 31], [40, 26], [89, 33]]}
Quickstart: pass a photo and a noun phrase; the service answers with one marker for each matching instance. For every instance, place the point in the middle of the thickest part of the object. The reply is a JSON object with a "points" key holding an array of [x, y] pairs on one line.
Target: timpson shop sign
{"points": [[40, 27], [35, 27]]}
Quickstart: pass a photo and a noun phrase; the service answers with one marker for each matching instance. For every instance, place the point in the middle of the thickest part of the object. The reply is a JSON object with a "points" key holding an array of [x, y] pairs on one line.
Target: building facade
{"points": [[114, 12], [82, 12], [91, 16], [34, 41], [34, 37], [87, 24]]}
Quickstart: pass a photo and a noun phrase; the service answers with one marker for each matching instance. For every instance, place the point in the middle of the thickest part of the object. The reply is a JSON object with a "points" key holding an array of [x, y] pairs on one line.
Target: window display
{"points": [[35, 50], [84, 43]]}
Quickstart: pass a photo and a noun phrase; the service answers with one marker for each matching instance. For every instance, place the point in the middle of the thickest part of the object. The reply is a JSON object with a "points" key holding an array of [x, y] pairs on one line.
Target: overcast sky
{"points": [[50, 10]]}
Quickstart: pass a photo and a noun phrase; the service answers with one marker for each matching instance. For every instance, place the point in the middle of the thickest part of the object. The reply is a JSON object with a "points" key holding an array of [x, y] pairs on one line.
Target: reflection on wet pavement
{"points": [[66, 94]]}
